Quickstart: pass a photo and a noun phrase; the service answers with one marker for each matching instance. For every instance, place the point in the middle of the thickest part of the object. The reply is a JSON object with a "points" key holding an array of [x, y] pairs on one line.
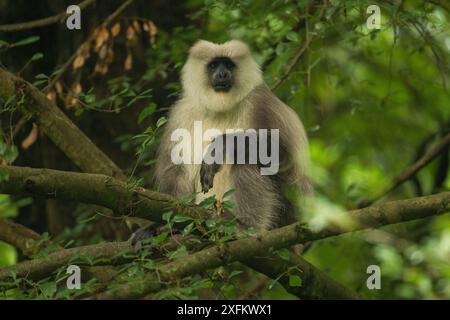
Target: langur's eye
{"points": [[212, 65], [229, 65]]}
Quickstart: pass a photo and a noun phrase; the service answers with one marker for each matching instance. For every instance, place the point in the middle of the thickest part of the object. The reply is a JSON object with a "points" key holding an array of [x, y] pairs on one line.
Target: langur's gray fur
{"points": [[248, 104]]}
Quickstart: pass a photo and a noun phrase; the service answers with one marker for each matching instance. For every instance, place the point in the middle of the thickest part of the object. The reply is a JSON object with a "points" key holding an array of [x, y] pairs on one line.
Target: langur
{"points": [[223, 92]]}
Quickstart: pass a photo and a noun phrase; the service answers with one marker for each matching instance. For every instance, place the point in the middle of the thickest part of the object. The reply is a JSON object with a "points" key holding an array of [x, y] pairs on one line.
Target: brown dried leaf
{"points": [[67, 98], [152, 27], [75, 103], [109, 56], [137, 26], [101, 68], [101, 36], [115, 30], [31, 138], [85, 49], [78, 62], [58, 87], [128, 62], [153, 30], [76, 88], [51, 95], [103, 51], [130, 33]]}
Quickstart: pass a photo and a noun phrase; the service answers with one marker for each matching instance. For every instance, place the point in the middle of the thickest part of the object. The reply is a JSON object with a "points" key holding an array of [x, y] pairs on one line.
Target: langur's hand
{"points": [[207, 174]]}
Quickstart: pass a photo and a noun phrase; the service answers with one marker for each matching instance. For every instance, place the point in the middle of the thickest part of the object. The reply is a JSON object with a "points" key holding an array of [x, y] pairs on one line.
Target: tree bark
{"points": [[57, 126]]}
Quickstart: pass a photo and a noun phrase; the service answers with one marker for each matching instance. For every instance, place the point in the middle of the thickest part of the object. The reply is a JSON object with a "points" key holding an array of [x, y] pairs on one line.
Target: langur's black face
{"points": [[220, 73]]}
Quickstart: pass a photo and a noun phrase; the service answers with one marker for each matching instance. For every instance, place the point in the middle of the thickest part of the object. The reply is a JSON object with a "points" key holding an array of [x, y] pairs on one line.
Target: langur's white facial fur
{"points": [[197, 89]]}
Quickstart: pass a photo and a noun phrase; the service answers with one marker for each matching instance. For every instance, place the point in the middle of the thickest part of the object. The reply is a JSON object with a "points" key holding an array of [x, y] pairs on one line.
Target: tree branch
{"points": [[118, 196], [250, 247], [30, 243], [93, 189], [41, 22], [411, 171], [40, 268], [57, 126], [316, 284], [26, 240], [441, 3]]}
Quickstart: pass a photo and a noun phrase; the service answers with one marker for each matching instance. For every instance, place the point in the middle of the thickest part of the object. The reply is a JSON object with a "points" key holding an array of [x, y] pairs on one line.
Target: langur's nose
{"points": [[223, 75]]}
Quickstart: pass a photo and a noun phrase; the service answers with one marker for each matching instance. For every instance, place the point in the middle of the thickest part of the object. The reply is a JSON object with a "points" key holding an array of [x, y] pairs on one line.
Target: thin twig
{"points": [[411, 171], [41, 22], [444, 4], [441, 66], [299, 53]]}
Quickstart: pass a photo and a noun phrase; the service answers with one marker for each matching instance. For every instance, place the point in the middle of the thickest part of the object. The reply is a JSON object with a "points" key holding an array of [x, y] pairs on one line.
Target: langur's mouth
{"points": [[222, 87]]}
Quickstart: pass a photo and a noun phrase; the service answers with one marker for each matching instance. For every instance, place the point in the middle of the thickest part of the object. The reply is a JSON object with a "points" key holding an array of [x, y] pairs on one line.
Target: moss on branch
{"points": [[57, 126]]}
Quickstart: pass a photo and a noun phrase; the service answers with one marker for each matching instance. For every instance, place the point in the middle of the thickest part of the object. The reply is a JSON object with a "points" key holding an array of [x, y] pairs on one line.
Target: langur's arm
{"points": [[249, 153], [170, 176]]}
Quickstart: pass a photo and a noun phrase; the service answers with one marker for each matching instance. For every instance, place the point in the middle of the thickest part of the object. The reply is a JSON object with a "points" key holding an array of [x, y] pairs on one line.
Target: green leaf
{"points": [[295, 281], [8, 153], [24, 202], [166, 215], [26, 41], [4, 176], [48, 289], [146, 112], [281, 48], [41, 76], [150, 265], [161, 121], [283, 254], [293, 36], [180, 218], [188, 229], [179, 253], [234, 273], [210, 223], [89, 98], [4, 44], [37, 56], [133, 270], [39, 82], [208, 201], [229, 204], [160, 238], [229, 192]]}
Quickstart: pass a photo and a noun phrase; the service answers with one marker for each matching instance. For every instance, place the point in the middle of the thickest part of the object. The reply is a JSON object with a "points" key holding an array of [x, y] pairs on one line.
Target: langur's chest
{"points": [[202, 132]]}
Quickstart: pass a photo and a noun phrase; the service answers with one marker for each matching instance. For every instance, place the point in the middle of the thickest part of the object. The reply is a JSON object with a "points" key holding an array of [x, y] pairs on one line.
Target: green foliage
{"points": [[8, 255]]}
